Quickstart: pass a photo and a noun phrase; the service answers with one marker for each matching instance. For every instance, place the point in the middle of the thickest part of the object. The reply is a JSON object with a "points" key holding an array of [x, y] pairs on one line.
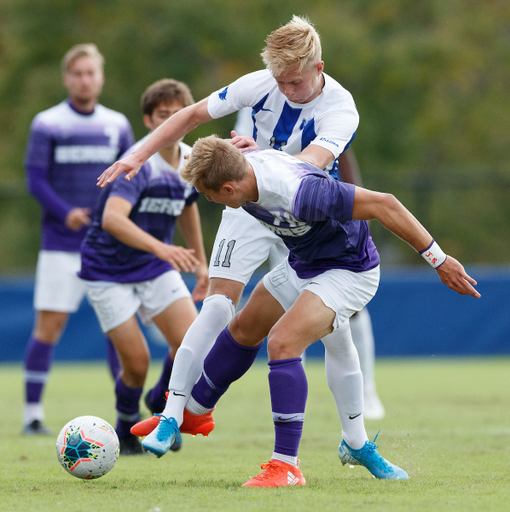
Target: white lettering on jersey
{"points": [[85, 154], [112, 132], [284, 217], [299, 230], [172, 207]]}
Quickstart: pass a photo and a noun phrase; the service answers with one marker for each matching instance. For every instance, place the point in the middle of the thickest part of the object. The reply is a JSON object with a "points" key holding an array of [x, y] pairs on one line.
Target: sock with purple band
{"points": [[38, 357], [289, 390], [127, 406], [226, 362]]}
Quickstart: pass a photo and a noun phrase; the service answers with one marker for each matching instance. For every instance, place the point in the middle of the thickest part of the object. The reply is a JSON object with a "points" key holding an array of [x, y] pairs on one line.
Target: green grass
{"points": [[447, 425]]}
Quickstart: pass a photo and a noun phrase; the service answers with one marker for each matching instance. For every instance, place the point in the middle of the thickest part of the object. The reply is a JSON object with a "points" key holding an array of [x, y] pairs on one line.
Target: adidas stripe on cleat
{"points": [[277, 474]]}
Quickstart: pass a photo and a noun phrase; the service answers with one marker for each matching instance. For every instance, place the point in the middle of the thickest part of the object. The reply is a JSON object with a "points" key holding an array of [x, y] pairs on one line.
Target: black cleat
{"points": [[130, 445], [36, 428]]}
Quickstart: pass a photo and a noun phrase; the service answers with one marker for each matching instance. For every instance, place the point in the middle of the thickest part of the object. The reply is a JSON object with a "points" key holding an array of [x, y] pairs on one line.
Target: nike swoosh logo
{"points": [[286, 418], [266, 109], [350, 417], [177, 394]]}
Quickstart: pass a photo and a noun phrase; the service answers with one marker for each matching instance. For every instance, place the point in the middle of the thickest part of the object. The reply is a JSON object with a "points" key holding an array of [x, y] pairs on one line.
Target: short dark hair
{"points": [[165, 91]]}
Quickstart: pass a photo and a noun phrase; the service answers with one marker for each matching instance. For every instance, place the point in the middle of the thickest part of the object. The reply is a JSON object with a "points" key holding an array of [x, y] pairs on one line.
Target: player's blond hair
{"points": [[296, 43], [214, 162], [81, 50]]}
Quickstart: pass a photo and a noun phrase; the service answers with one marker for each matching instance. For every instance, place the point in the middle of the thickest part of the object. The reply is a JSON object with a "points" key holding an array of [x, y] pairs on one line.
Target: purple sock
{"points": [[38, 357], [158, 391], [289, 389], [112, 357], [226, 362], [127, 406]]}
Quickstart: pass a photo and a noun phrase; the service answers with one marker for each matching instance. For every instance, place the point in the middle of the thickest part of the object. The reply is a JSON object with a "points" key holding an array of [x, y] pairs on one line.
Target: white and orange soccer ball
{"points": [[88, 447]]}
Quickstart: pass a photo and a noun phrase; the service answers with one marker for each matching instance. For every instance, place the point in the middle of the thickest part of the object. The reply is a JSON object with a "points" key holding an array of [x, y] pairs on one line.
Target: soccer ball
{"points": [[88, 447]]}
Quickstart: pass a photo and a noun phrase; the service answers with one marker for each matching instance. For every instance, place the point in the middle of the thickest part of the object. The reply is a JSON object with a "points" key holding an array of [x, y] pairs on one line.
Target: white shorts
{"points": [[115, 303], [343, 291], [57, 285], [242, 244]]}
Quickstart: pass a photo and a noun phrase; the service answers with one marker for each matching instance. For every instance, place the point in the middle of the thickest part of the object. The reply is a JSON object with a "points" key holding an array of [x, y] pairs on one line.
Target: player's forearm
{"points": [[127, 232], [394, 216], [39, 187], [173, 129], [316, 155]]}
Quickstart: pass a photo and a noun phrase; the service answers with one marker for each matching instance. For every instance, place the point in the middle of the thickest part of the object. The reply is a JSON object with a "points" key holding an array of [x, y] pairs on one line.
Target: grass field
{"points": [[447, 425]]}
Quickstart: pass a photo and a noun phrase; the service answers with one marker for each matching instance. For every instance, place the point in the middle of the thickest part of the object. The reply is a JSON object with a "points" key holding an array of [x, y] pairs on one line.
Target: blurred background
{"points": [[430, 80]]}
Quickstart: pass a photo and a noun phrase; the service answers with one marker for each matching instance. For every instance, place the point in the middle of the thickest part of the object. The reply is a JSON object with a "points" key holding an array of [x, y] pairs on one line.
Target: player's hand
{"points": [[202, 285], [243, 142], [130, 165], [179, 257], [77, 218], [453, 275]]}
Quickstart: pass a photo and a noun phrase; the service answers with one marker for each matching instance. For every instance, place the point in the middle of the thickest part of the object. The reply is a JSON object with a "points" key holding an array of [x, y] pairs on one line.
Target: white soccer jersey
{"points": [[329, 121]]}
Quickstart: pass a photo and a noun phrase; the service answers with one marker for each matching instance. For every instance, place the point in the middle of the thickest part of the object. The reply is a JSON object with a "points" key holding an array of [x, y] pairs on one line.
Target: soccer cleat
{"points": [[373, 409], [160, 440], [277, 474], [369, 457], [130, 445], [36, 428], [193, 424]]}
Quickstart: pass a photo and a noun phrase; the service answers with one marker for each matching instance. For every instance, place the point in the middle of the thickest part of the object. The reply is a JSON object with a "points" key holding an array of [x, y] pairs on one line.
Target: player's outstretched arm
{"points": [[393, 215], [172, 130]]}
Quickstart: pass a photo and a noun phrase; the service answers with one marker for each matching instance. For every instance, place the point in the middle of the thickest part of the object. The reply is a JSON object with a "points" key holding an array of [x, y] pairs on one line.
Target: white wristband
{"points": [[434, 255]]}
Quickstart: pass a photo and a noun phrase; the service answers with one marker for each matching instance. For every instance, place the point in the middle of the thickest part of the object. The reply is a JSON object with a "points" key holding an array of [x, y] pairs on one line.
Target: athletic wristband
{"points": [[434, 255]]}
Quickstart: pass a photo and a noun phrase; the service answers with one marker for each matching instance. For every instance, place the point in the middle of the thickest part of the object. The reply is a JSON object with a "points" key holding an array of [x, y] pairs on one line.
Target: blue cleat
{"points": [[161, 439], [369, 457]]}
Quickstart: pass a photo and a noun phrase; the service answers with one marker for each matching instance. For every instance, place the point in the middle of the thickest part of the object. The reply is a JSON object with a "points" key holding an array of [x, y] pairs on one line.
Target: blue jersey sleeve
{"points": [[320, 198]]}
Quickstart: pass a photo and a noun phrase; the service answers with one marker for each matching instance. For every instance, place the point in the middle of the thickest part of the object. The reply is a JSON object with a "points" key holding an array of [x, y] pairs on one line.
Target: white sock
{"points": [[195, 408], [363, 338], [216, 313], [289, 459], [33, 411], [344, 378]]}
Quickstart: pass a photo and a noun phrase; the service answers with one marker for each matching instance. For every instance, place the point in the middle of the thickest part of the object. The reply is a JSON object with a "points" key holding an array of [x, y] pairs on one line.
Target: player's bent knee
{"points": [[281, 347], [231, 289]]}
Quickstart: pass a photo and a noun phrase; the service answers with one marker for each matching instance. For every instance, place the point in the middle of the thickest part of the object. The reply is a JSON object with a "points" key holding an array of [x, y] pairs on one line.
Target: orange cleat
{"points": [[145, 427], [277, 474], [193, 424], [197, 423]]}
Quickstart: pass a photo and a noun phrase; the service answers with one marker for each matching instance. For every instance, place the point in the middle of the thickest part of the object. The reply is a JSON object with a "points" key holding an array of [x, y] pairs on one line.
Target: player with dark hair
{"points": [[332, 271], [69, 145], [130, 265]]}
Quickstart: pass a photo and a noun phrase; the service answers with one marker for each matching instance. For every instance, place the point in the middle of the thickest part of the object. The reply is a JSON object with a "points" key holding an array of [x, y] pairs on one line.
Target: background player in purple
{"points": [[130, 265], [68, 145], [332, 271]]}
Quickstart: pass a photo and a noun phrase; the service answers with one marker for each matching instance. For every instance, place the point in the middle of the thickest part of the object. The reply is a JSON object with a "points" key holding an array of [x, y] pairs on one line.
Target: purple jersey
{"points": [[312, 213], [158, 197], [67, 151]]}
